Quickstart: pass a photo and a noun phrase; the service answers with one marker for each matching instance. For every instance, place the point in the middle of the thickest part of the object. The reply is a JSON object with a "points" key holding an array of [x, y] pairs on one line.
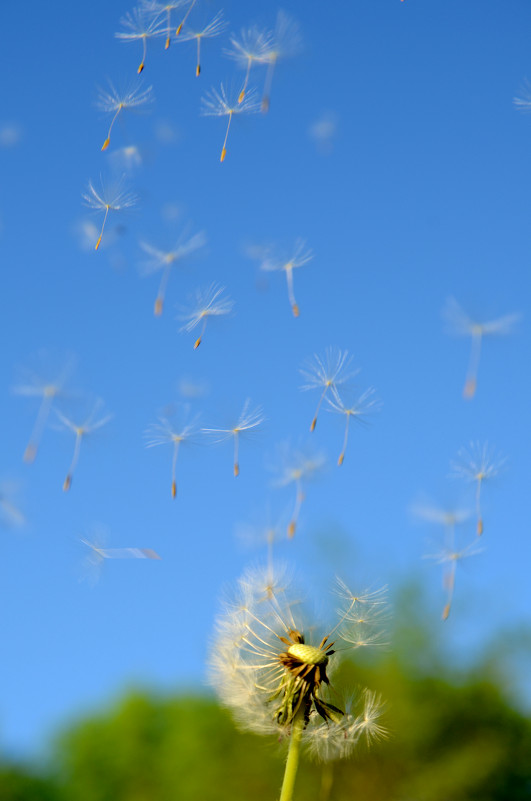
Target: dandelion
{"points": [[248, 420], [47, 387], [478, 465], [109, 198], [174, 433], [208, 303], [219, 104], [115, 102], [214, 28], [449, 557], [298, 258], [297, 467], [159, 9], [326, 373], [140, 26], [253, 47], [271, 668], [358, 408], [98, 553], [286, 42], [165, 260], [90, 423], [461, 324]]}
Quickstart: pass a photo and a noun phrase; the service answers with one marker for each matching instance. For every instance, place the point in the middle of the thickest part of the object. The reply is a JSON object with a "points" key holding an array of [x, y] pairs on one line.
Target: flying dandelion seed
{"points": [[115, 102], [109, 198], [271, 669], [460, 324], [208, 303], [298, 258], [97, 554], [297, 467], [214, 28], [252, 47], [10, 513], [326, 373], [183, 21], [478, 465], [48, 385], [158, 9], [248, 420], [165, 260], [449, 557], [219, 104], [285, 42], [90, 423], [176, 434], [267, 531], [140, 26], [357, 408]]}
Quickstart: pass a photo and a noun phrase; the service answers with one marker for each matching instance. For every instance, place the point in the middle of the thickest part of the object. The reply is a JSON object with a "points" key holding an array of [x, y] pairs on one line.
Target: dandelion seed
{"points": [[358, 408], [10, 513], [449, 557], [90, 423], [460, 324], [477, 464], [98, 553], [286, 42], [47, 387], [253, 47], [524, 103], [271, 670], [165, 260], [219, 104], [109, 198], [298, 258], [140, 26], [297, 467], [214, 28], [114, 102], [326, 373], [208, 303], [173, 433], [248, 420], [183, 21], [159, 9]]}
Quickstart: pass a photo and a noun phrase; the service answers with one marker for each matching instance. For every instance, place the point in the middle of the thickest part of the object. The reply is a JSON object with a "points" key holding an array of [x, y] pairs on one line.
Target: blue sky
{"points": [[420, 192]]}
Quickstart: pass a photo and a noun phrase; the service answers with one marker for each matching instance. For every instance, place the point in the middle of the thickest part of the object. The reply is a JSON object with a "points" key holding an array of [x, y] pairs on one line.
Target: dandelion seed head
{"points": [[270, 666]]}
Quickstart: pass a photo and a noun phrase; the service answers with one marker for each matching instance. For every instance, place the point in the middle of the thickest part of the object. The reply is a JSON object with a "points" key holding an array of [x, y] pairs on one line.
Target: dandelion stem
{"points": [[292, 762], [180, 27], [141, 65], [473, 365], [479, 527], [236, 462], [321, 399], [31, 449], [291, 296], [68, 480], [345, 440], [267, 86], [246, 81], [200, 337], [108, 140], [159, 302], [168, 32], [198, 67], [174, 468], [224, 148], [98, 243]]}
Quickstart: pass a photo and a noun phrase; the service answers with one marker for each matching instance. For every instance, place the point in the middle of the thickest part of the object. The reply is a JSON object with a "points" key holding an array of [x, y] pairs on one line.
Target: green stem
{"points": [[292, 762]]}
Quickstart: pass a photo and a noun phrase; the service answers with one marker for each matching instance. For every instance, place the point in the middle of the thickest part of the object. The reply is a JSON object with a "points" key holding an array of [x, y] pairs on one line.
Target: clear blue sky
{"points": [[420, 193]]}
